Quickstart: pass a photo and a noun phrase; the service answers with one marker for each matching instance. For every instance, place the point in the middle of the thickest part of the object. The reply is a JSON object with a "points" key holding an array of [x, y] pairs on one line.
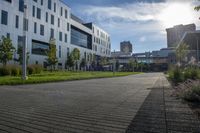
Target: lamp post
{"points": [[24, 65]]}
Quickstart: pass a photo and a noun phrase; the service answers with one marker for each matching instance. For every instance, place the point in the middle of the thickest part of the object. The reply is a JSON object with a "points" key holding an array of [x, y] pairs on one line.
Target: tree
{"points": [[51, 53], [130, 65], [197, 8], [103, 61], [181, 52], [117, 65], [70, 61], [6, 50], [76, 56], [83, 63], [20, 52]]}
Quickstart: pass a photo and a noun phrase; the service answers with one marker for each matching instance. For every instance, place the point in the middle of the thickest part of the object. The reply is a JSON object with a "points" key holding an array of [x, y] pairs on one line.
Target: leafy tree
{"points": [[83, 63], [20, 52], [117, 65], [181, 52], [130, 65], [6, 50], [197, 8], [51, 53], [103, 61], [70, 61], [76, 55]]}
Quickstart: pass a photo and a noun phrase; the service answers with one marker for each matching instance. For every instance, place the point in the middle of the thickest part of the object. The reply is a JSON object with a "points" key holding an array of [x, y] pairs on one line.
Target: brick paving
{"points": [[137, 103], [162, 113]]}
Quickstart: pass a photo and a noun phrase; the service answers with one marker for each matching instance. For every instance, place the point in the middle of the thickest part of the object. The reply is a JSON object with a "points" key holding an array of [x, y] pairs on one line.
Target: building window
{"points": [[58, 22], [42, 30], [35, 0], [33, 11], [20, 42], [60, 52], [61, 11], [39, 48], [80, 38], [25, 25], [66, 15], [54, 7], [52, 33], [10, 1], [21, 5], [17, 21], [8, 35], [38, 13], [66, 38], [67, 26], [52, 19], [68, 52], [4, 17], [41, 2], [47, 17], [60, 36], [49, 4], [35, 27]]}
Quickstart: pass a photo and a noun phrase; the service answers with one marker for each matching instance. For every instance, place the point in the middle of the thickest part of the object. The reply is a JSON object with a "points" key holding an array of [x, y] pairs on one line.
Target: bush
{"points": [[191, 73], [176, 75], [34, 69], [15, 70], [5, 71], [192, 95]]}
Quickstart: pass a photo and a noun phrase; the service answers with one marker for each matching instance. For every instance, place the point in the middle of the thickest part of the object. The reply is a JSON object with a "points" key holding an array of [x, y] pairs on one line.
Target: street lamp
{"points": [[24, 65]]}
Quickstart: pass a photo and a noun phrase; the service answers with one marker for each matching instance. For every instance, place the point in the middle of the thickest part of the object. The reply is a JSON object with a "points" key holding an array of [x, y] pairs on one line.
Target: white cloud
{"points": [[142, 39], [137, 22]]}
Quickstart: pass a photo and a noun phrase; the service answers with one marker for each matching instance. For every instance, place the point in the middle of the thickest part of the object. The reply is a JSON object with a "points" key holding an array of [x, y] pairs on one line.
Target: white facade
{"points": [[44, 18]]}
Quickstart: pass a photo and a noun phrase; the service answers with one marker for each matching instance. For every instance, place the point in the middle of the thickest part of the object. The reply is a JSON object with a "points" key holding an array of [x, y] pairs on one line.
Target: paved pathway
{"points": [[137, 103]]}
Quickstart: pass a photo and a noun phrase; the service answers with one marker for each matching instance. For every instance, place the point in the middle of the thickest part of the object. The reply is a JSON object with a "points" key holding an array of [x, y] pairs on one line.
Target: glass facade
{"points": [[80, 38], [39, 48]]}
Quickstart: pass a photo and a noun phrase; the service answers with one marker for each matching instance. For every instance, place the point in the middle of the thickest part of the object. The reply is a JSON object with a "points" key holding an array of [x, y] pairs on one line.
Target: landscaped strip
{"points": [[60, 76]]}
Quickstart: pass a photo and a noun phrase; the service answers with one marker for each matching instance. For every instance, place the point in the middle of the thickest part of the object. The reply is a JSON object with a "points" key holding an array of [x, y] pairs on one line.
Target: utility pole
{"points": [[24, 65]]}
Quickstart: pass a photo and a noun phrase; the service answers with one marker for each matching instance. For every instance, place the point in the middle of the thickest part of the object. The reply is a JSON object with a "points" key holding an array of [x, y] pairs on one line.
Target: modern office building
{"points": [[46, 19], [126, 47], [175, 33]]}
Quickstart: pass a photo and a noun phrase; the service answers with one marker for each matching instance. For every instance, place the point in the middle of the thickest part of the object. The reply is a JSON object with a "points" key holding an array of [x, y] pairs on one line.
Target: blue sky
{"points": [[143, 22]]}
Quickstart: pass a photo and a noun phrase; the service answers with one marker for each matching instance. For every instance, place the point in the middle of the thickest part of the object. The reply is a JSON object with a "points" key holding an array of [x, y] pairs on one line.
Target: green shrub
{"points": [[176, 75], [15, 70], [5, 71], [38, 69], [192, 95], [30, 70], [34, 69]]}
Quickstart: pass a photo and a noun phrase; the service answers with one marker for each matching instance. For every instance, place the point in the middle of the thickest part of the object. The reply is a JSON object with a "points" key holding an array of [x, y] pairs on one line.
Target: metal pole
{"points": [[197, 50], [24, 66]]}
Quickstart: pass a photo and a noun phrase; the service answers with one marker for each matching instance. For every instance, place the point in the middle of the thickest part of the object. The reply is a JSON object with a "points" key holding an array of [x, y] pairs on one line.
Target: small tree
{"points": [[117, 65], [76, 56], [83, 63], [181, 52], [51, 53], [6, 50], [70, 61], [103, 61], [131, 65], [20, 53]]}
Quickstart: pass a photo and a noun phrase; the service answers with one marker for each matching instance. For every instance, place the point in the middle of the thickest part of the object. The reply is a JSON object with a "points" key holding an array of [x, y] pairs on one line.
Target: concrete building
{"points": [[192, 39], [175, 33], [126, 47], [47, 19]]}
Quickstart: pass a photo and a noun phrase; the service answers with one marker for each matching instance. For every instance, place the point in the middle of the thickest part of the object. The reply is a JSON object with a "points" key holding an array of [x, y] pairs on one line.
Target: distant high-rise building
{"points": [[126, 47], [175, 33]]}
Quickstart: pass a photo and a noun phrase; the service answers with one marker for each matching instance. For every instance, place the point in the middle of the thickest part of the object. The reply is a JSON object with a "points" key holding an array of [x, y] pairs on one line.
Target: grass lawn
{"points": [[60, 76]]}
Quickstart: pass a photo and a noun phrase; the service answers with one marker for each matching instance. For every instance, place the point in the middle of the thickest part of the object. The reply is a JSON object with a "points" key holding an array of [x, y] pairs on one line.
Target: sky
{"points": [[142, 22]]}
